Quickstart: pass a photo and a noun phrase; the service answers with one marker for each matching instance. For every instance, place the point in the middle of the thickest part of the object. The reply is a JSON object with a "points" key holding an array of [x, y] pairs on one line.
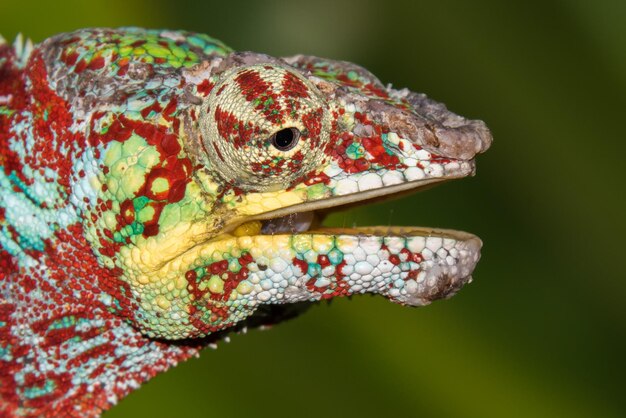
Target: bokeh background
{"points": [[541, 330]]}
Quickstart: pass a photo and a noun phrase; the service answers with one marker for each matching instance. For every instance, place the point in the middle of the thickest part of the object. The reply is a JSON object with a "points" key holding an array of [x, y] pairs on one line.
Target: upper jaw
{"points": [[360, 187], [417, 169]]}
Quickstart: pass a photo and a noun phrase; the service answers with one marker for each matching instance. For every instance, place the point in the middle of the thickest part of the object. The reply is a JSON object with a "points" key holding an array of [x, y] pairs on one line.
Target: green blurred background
{"points": [[540, 331]]}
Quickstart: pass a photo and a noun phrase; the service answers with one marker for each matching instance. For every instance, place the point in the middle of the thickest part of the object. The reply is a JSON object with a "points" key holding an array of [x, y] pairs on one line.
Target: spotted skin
{"points": [[141, 171]]}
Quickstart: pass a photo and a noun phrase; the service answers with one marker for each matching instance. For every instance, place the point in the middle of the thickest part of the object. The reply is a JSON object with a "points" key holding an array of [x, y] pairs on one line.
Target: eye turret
{"points": [[263, 126]]}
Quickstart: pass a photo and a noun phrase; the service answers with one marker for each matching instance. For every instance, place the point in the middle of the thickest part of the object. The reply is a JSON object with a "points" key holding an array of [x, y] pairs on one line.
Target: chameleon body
{"points": [[157, 187]]}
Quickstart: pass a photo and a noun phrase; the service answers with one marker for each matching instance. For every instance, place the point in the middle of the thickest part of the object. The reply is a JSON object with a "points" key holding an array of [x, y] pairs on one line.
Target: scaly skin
{"points": [[156, 186]]}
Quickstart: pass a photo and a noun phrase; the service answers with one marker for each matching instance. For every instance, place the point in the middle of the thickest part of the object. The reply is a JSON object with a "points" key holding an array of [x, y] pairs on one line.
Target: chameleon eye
{"points": [[255, 120], [285, 139]]}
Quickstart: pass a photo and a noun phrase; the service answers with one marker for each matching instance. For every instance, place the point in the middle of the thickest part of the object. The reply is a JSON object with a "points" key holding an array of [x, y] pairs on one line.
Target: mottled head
{"points": [[216, 189]]}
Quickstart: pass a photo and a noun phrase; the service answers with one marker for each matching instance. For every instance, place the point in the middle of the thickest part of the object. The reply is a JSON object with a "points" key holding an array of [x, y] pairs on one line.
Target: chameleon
{"points": [[158, 190]]}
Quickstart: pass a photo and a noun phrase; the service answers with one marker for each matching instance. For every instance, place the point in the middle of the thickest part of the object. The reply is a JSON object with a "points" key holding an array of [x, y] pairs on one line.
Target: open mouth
{"points": [[408, 265], [309, 216]]}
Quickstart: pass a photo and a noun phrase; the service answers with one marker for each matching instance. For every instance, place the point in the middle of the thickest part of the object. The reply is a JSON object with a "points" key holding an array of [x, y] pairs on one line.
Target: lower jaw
{"points": [[434, 263], [408, 265]]}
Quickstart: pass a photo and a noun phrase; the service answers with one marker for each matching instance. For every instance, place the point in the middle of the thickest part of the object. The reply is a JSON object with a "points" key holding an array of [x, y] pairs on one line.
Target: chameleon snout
{"points": [[430, 125]]}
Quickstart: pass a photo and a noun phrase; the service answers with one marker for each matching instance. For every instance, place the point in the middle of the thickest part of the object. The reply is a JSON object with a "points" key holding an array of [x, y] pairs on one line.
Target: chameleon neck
{"points": [[66, 347]]}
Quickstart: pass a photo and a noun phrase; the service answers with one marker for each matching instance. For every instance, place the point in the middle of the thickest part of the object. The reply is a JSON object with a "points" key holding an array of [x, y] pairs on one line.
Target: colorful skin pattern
{"points": [[158, 188]]}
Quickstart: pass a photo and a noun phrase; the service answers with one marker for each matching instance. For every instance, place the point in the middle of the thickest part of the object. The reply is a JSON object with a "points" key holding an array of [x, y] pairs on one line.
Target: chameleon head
{"points": [[269, 146], [300, 134]]}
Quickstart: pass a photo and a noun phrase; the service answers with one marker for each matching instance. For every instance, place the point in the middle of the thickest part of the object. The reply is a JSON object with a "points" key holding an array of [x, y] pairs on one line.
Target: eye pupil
{"points": [[285, 139]]}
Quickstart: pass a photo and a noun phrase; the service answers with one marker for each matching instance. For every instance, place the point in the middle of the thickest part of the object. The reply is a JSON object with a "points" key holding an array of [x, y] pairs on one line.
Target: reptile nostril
{"points": [[432, 126], [463, 142]]}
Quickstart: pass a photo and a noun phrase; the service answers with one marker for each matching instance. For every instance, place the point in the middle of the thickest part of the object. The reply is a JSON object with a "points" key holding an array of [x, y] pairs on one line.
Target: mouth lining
{"points": [[309, 222], [292, 223]]}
